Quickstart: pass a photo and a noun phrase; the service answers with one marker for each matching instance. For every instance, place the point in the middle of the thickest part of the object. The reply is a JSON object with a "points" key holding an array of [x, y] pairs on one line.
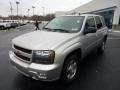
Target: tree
{"points": [[48, 17]]}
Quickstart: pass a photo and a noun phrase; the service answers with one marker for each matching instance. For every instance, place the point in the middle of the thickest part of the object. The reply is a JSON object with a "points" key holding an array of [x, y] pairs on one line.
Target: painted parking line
{"points": [[114, 38], [117, 31]]}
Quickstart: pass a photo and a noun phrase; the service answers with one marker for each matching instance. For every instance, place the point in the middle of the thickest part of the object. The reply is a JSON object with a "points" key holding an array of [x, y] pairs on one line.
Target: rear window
{"points": [[103, 21], [98, 22]]}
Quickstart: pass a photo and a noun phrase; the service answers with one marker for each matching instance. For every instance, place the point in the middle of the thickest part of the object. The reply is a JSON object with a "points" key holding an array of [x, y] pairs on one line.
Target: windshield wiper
{"points": [[62, 30], [48, 29], [56, 30]]}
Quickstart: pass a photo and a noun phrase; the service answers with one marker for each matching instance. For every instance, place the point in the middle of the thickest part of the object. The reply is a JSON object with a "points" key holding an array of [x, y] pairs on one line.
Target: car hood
{"points": [[43, 40]]}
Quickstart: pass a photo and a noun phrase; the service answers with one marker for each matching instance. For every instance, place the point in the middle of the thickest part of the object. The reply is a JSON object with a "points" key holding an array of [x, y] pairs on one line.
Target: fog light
{"points": [[38, 75], [35, 78]]}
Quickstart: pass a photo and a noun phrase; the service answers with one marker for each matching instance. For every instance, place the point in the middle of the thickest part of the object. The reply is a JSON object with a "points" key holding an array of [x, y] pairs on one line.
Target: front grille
{"points": [[23, 49], [22, 53], [22, 57]]}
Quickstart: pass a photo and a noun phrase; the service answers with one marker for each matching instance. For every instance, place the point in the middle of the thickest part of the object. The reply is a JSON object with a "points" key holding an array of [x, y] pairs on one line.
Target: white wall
{"points": [[92, 6], [116, 14], [95, 5]]}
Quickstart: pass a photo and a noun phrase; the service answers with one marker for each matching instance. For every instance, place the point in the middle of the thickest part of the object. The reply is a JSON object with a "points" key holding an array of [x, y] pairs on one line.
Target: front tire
{"points": [[70, 69]]}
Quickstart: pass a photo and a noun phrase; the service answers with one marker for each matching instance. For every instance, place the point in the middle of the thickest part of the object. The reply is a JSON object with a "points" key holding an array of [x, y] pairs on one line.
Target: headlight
{"points": [[44, 56]]}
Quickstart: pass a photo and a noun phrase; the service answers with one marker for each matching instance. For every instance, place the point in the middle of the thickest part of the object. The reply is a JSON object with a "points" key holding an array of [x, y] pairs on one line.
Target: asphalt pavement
{"points": [[97, 72]]}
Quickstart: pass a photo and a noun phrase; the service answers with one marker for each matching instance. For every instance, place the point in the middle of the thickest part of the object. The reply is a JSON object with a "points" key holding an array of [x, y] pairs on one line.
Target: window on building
{"points": [[98, 22]]}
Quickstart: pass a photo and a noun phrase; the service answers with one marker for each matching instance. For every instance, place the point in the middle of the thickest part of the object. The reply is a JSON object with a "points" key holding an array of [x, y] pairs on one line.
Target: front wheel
{"points": [[70, 69]]}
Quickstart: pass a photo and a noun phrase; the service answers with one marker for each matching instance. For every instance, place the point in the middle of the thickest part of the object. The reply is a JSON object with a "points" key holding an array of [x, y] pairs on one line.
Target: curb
{"points": [[116, 31]]}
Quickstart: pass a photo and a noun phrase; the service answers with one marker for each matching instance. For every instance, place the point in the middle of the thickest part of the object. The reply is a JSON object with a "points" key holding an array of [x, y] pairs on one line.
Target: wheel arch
{"points": [[77, 52]]}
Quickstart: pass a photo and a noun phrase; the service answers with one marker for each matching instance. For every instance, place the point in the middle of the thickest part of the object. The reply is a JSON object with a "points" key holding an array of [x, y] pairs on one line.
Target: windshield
{"points": [[65, 24]]}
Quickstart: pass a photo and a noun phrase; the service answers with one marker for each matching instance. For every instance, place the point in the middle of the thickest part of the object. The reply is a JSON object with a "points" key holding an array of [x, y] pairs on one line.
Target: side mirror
{"points": [[90, 30]]}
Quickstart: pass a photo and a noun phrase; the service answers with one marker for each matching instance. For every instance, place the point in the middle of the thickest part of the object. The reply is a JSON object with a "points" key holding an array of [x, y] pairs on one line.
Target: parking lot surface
{"points": [[97, 72]]}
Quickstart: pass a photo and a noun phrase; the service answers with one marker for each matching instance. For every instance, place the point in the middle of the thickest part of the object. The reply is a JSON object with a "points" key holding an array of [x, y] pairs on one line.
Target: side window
{"points": [[98, 22], [103, 21], [90, 22]]}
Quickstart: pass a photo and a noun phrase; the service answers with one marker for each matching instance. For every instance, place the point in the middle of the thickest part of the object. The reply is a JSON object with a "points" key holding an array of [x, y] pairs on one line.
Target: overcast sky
{"points": [[51, 6]]}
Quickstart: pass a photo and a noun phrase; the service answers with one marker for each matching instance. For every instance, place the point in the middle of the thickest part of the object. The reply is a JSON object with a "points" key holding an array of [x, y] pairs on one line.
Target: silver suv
{"points": [[55, 51]]}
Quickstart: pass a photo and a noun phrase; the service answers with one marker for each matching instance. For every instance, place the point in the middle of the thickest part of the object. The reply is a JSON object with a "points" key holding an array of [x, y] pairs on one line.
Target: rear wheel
{"points": [[70, 69], [102, 47]]}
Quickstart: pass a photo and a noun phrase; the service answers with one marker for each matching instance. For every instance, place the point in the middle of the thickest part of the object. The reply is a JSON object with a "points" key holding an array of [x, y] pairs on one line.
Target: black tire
{"points": [[2, 27], [102, 47], [70, 69]]}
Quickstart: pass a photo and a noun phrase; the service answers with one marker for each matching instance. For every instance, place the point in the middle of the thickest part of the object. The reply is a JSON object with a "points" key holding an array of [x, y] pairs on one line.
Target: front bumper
{"points": [[36, 71]]}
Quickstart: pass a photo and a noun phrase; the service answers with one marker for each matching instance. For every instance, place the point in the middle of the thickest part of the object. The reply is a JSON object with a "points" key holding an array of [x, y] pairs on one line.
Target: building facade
{"points": [[110, 9]]}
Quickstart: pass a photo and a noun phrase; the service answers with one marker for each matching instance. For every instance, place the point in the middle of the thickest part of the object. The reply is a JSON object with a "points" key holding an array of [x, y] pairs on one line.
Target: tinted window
{"points": [[98, 22], [90, 22], [103, 21]]}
